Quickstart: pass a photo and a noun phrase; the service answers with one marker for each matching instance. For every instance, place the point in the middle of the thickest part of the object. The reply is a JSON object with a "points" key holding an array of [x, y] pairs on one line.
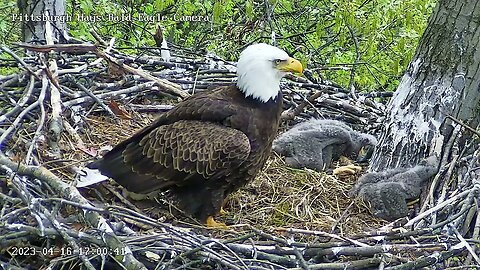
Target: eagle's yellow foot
{"points": [[222, 212], [348, 169], [211, 223]]}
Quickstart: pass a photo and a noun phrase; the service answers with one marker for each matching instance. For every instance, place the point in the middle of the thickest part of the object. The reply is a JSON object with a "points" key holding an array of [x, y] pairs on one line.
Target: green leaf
{"points": [[86, 7], [217, 10], [401, 45], [249, 9]]}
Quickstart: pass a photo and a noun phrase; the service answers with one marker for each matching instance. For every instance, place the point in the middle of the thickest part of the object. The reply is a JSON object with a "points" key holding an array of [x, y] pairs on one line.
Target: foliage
{"points": [[9, 29], [321, 33]]}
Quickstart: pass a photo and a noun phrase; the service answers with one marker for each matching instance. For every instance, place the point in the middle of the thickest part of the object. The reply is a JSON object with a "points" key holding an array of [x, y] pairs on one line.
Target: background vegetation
{"points": [[375, 38]]}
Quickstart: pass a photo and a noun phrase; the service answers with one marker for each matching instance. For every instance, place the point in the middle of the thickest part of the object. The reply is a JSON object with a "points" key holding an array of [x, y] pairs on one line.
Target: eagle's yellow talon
{"points": [[211, 223], [223, 212]]}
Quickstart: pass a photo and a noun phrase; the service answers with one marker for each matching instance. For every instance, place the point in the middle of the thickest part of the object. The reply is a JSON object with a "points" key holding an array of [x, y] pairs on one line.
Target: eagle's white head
{"points": [[260, 69]]}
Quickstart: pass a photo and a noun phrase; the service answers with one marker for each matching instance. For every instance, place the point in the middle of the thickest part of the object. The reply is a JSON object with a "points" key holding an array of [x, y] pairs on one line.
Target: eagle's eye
{"points": [[277, 61]]}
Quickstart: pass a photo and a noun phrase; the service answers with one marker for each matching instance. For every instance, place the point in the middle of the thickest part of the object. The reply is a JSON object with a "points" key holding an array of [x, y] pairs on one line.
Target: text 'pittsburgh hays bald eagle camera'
{"points": [[210, 144]]}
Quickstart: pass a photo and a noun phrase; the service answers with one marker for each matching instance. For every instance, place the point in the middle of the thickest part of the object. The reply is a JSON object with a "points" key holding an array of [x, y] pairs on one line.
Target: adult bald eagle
{"points": [[210, 144]]}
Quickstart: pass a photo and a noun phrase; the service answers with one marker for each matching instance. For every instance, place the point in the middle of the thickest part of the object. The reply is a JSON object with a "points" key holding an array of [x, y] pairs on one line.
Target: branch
{"points": [[170, 87], [71, 193]]}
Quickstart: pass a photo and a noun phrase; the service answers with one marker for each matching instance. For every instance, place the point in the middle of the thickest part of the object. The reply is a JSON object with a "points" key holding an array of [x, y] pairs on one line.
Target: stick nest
{"points": [[60, 110]]}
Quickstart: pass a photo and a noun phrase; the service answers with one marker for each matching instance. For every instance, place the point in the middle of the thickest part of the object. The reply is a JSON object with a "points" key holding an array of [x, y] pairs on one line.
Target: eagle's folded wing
{"points": [[174, 154]]}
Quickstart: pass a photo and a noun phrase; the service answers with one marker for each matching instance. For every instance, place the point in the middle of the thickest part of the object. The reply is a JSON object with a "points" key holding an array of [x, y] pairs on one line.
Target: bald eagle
{"points": [[210, 144]]}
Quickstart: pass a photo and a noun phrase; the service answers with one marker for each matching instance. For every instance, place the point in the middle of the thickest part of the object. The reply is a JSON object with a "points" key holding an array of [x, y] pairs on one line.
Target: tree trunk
{"points": [[34, 13], [442, 80]]}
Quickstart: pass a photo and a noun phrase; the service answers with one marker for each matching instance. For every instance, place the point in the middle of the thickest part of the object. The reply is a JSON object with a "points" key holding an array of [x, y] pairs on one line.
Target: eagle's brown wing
{"points": [[178, 154]]}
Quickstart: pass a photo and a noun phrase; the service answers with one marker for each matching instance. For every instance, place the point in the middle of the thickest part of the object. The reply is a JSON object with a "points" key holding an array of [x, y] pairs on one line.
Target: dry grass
{"points": [[284, 197]]}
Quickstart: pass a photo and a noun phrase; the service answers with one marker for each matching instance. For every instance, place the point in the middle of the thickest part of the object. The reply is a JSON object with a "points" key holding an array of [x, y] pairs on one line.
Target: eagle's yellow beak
{"points": [[291, 65]]}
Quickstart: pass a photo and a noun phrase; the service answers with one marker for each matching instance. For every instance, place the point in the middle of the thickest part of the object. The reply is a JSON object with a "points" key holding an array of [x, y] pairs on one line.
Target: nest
{"points": [[285, 219]]}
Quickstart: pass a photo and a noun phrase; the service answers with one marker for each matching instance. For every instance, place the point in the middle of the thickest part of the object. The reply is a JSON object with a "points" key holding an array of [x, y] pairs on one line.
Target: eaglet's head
{"points": [[260, 69]]}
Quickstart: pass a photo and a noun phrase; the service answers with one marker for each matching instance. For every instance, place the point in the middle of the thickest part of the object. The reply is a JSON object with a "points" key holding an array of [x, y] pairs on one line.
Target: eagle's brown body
{"points": [[200, 151]]}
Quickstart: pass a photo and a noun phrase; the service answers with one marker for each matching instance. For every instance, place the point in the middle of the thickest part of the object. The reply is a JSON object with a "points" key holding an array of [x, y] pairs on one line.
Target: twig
{"points": [[151, 108], [70, 48], [379, 249], [463, 125], [325, 234], [5, 197], [475, 235], [9, 266], [41, 120], [37, 209], [51, 232], [71, 193], [447, 178], [170, 87], [426, 260], [133, 89], [263, 254], [300, 259], [464, 243], [16, 123], [94, 97], [55, 128], [351, 84], [450, 218], [354, 265], [344, 214], [465, 206], [439, 206], [23, 100], [25, 65], [298, 109]]}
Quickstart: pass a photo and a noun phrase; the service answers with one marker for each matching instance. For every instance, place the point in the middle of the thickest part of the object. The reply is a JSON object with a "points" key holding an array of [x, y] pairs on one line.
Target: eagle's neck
{"points": [[260, 82]]}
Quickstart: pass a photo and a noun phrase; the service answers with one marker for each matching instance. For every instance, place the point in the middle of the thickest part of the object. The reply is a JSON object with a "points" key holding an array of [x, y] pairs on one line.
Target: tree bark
{"points": [[34, 13], [442, 80]]}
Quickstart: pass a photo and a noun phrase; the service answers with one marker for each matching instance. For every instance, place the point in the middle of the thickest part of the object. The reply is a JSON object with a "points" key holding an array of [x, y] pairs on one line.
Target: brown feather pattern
{"points": [[192, 147], [200, 151]]}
